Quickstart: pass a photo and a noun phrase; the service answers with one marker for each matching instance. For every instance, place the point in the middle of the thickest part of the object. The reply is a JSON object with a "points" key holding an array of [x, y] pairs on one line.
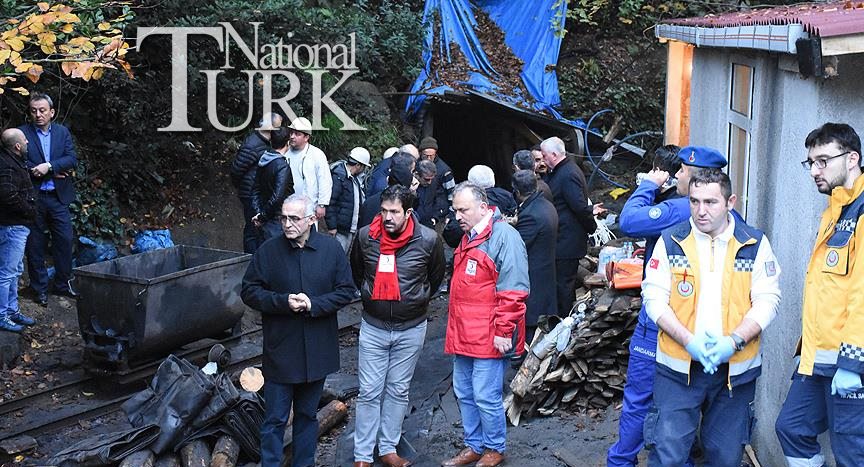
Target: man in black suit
{"points": [[51, 161], [575, 217], [538, 226]]}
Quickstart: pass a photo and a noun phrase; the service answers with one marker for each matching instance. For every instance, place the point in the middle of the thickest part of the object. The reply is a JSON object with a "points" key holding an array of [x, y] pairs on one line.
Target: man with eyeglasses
{"points": [[826, 391], [347, 197], [298, 281]]}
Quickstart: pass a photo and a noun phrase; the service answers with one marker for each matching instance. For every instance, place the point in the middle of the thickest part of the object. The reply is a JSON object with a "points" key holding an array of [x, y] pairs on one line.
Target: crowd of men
{"points": [[711, 287], [323, 233]]}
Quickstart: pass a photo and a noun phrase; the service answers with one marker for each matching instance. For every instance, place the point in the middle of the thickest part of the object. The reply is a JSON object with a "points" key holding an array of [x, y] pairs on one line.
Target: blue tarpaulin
{"points": [[532, 30]]}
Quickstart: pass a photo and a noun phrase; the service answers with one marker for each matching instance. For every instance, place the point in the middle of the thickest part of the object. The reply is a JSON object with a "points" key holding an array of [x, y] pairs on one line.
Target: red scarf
{"points": [[386, 285]]}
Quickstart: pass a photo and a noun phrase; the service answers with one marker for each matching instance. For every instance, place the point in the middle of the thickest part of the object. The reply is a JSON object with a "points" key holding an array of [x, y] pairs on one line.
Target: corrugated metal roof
{"points": [[823, 19]]}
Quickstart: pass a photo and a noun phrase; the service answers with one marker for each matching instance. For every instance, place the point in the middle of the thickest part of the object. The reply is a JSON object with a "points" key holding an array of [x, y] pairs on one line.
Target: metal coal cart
{"points": [[144, 306]]}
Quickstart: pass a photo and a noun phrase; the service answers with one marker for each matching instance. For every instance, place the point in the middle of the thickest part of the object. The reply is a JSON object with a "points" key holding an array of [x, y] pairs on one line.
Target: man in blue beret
{"points": [[654, 205]]}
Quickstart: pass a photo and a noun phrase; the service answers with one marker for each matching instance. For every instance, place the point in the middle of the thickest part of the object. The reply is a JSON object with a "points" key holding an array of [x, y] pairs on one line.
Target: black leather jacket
{"points": [[420, 267], [273, 183]]}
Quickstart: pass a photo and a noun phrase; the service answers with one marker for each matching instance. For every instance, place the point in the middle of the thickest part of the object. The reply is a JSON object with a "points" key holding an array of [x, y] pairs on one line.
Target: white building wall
{"points": [[783, 198]]}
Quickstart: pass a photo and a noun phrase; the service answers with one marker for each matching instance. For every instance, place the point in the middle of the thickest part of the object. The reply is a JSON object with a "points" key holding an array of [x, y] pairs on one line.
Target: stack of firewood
{"points": [[591, 369]]}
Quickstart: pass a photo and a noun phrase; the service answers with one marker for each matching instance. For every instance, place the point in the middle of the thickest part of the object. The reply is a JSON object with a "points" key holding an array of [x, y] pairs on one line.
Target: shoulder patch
{"points": [[655, 212]]}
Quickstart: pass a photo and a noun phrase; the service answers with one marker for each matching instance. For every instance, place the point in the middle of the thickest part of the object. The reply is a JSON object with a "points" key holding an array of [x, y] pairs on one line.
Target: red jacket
{"points": [[488, 292]]}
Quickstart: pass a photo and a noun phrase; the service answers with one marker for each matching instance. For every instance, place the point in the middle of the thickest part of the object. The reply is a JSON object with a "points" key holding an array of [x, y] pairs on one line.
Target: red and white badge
{"points": [[471, 267], [685, 289], [386, 263], [654, 263]]}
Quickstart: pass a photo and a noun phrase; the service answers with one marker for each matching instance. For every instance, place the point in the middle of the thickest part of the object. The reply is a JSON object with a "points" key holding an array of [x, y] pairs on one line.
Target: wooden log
{"points": [[328, 417], [251, 379], [168, 460], [143, 458], [522, 381], [195, 454], [225, 452]]}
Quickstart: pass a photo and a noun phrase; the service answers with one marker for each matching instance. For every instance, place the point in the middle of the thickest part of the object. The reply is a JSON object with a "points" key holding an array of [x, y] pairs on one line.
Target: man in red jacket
{"points": [[486, 323]]}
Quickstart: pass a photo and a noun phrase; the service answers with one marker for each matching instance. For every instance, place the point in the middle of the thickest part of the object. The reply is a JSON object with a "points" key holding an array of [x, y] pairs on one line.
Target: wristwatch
{"points": [[739, 342]]}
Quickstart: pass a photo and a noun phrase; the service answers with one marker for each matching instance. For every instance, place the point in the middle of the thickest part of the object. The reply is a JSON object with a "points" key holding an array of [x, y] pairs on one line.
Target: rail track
{"points": [[94, 396]]}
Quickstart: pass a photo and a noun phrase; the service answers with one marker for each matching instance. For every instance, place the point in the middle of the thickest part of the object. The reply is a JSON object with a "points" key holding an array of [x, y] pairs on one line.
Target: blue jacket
{"points": [[377, 181], [641, 217], [63, 159]]}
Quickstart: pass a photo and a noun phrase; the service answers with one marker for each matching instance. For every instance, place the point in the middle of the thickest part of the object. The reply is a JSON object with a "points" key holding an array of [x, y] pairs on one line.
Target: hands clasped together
{"points": [[710, 350]]}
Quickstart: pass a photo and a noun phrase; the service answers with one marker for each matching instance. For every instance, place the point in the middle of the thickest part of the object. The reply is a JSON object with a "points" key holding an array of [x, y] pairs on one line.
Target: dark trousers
{"points": [[250, 233], [278, 399], [724, 418], [566, 270], [52, 217], [810, 410]]}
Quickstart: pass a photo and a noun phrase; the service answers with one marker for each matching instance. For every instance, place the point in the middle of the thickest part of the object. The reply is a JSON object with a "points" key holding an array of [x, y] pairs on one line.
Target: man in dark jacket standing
{"points": [[243, 174], [17, 212], [51, 161], [398, 264], [347, 197], [298, 281], [575, 218], [273, 183], [538, 226], [444, 177]]}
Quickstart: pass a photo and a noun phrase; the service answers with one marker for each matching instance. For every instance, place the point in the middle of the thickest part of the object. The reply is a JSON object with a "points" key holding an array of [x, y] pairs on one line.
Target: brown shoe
{"points": [[362, 464], [393, 460], [490, 459], [465, 457]]}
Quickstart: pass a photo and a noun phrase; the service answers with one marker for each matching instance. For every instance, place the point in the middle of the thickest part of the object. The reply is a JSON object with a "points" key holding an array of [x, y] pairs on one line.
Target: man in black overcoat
{"points": [[298, 281], [538, 226]]}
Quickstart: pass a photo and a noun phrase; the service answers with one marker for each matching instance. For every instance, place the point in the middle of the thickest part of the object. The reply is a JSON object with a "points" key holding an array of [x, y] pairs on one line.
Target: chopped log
{"points": [[225, 452], [251, 379], [143, 458], [195, 454], [522, 381], [18, 444], [329, 416], [595, 280], [168, 460]]}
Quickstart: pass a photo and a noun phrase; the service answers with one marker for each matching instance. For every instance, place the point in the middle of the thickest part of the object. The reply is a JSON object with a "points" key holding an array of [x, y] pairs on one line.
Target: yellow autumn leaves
{"points": [[55, 34]]}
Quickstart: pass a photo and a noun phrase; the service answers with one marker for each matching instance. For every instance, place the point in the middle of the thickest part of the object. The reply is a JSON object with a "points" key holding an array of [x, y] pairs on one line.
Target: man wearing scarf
{"points": [[398, 264]]}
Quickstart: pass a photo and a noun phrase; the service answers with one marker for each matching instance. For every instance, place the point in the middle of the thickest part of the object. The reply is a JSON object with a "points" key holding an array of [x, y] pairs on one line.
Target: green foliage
{"points": [[337, 143], [95, 212]]}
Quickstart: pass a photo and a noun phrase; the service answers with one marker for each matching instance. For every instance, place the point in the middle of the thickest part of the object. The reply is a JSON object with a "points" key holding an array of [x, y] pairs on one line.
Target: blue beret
{"points": [[698, 156]]}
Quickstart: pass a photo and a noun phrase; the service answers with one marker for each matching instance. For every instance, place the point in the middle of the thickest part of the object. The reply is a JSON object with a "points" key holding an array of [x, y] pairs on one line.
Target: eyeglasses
{"points": [[292, 219], [821, 163]]}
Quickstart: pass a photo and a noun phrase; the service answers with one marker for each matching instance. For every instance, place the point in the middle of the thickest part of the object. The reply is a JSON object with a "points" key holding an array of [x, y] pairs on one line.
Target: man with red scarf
{"points": [[398, 264]]}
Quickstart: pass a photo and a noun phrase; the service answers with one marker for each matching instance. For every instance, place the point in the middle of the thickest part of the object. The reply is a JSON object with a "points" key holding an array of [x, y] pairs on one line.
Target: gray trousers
{"points": [[386, 365]]}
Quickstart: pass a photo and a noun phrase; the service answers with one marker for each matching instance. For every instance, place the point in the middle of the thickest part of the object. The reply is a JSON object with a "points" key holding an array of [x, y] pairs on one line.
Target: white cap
{"points": [[301, 124], [360, 155], [389, 152]]}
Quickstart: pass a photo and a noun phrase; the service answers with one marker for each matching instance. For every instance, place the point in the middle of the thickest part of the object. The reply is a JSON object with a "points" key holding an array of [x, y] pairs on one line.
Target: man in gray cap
{"points": [[309, 166], [444, 178]]}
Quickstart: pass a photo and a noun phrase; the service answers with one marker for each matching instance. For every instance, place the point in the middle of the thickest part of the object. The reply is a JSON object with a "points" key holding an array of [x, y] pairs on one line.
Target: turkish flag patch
{"points": [[654, 263]]}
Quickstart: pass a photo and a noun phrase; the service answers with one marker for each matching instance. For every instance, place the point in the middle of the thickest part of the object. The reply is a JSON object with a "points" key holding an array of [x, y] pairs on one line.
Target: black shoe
{"points": [[7, 324], [64, 291], [21, 318], [42, 298]]}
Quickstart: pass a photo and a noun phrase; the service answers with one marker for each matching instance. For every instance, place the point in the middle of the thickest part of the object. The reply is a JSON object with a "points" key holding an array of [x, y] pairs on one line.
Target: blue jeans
{"points": [[52, 216], [638, 397], [13, 238], [810, 410], [278, 399], [726, 418], [479, 385], [386, 366]]}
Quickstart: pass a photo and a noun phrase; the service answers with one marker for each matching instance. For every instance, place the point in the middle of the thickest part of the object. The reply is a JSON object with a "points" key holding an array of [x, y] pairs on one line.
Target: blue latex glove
{"points": [[722, 351], [698, 349], [845, 382]]}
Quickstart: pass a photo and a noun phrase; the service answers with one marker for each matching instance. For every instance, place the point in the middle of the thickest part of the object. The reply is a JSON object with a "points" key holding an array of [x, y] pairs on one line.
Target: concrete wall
{"points": [[783, 198]]}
